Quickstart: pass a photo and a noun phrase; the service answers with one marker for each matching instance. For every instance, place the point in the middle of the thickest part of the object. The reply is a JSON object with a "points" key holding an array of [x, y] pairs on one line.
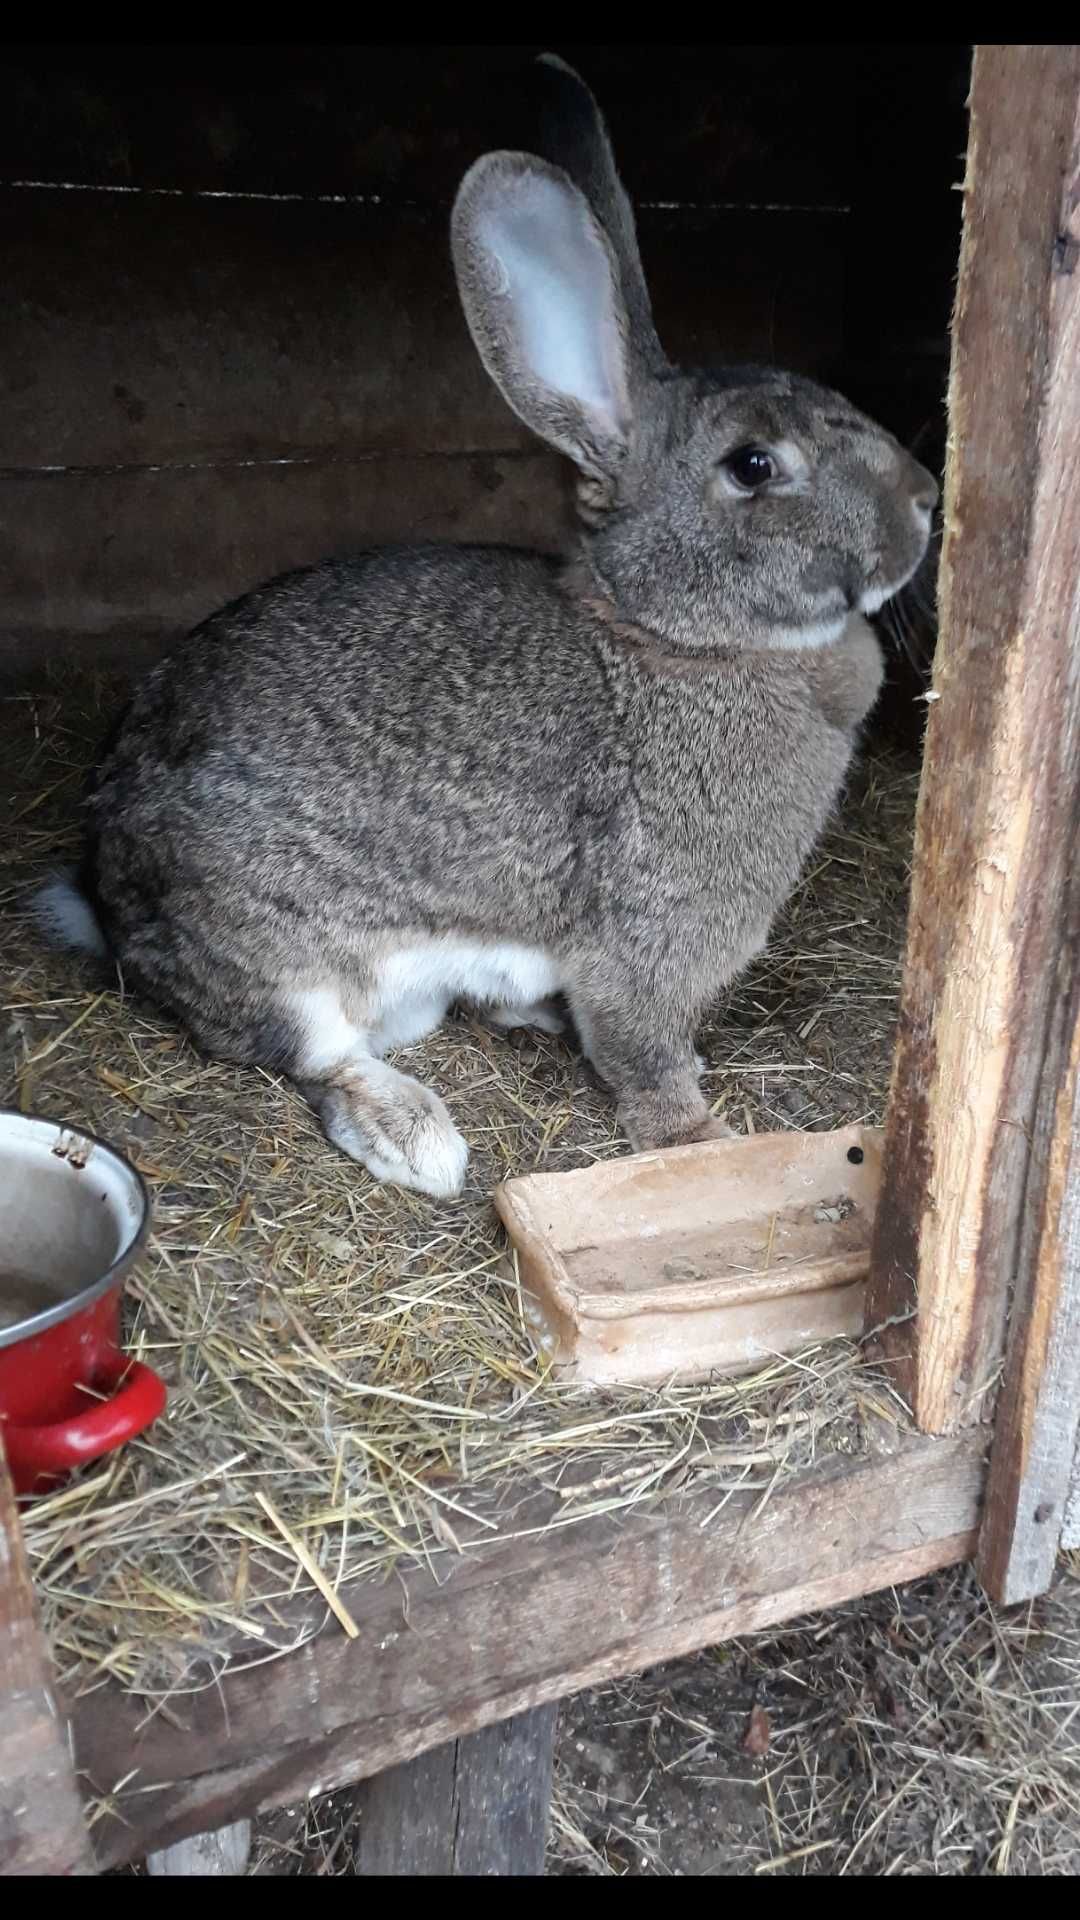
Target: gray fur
{"points": [[619, 762]]}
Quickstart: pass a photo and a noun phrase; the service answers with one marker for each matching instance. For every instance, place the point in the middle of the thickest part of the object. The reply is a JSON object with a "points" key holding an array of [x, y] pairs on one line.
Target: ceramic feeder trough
{"points": [[673, 1265]]}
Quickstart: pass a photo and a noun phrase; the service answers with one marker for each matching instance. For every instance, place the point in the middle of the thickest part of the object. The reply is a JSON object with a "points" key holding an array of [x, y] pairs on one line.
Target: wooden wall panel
{"points": [[748, 124], [146, 330], [240, 255], [127, 560]]}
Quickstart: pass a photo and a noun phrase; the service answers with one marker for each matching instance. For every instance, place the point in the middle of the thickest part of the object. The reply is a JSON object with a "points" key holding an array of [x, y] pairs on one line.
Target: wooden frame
{"points": [[41, 1826], [980, 1208], [512, 1625], [979, 1204]]}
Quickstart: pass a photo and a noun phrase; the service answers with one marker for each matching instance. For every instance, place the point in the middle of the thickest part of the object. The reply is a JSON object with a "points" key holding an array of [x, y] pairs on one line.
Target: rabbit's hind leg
{"points": [[399, 1130]]}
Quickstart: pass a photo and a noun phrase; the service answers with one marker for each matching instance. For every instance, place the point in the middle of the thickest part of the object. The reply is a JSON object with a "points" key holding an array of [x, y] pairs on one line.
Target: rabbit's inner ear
{"points": [[557, 283], [541, 295]]}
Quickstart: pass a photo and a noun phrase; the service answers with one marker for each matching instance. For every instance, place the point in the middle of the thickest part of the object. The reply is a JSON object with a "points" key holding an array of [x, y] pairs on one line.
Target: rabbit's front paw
{"points": [[669, 1119], [400, 1131], [713, 1129]]}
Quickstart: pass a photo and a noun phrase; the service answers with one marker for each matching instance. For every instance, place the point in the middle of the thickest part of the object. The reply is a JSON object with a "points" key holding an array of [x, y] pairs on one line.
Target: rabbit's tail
{"points": [[66, 917]]}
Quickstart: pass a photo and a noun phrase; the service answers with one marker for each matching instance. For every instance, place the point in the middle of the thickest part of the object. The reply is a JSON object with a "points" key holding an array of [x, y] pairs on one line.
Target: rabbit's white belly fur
{"points": [[413, 990], [417, 985]]}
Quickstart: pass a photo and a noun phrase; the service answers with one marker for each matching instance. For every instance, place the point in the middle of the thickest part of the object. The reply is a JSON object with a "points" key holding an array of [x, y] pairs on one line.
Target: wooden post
{"points": [[224, 1852], [1070, 1531], [41, 1823], [1038, 1420], [999, 805], [476, 1806], [1038, 1416]]}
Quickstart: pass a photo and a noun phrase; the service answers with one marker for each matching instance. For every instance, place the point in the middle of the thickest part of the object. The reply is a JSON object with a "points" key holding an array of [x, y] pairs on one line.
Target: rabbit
{"points": [[420, 775]]}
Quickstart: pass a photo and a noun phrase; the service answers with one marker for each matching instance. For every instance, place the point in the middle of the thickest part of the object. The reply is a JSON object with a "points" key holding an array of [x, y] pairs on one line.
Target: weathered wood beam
{"points": [[510, 1626], [1038, 1414], [1035, 1437], [998, 806], [477, 1806], [41, 1820], [224, 1853]]}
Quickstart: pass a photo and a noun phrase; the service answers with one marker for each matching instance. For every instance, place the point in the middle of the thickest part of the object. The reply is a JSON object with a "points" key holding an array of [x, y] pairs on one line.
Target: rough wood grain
{"points": [[1070, 1532], [996, 826], [1038, 1414], [512, 1626], [223, 1853], [1038, 1419], [475, 1806], [41, 1822]]}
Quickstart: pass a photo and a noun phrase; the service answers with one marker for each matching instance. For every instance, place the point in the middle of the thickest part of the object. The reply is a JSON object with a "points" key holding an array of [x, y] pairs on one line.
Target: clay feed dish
{"points": [[671, 1265]]}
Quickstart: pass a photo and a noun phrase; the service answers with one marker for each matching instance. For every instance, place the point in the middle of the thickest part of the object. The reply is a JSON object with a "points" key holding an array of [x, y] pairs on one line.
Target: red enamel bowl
{"points": [[74, 1215]]}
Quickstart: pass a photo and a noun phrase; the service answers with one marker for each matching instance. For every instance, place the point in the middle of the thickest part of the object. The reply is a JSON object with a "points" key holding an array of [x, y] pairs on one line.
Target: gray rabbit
{"points": [[420, 775]]}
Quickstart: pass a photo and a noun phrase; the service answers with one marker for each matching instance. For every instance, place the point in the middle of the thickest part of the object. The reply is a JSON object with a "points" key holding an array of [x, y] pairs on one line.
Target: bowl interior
{"points": [[70, 1208]]}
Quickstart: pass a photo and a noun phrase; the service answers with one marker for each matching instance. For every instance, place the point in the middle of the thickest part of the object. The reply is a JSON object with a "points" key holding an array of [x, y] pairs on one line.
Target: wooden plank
{"points": [[1070, 1532], [222, 1854], [997, 811], [476, 1806], [41, 1822], [143, 331], [699, 122], [1038, 1416], [108, 558], [1038, 1421], [165, 332], [513, 1625]]}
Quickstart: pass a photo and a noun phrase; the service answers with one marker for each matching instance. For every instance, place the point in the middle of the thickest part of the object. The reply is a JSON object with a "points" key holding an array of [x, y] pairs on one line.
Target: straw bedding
{"points": [[351, 1381]]}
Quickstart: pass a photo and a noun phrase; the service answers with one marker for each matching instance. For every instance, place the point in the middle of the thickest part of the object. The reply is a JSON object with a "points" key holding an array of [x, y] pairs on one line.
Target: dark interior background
{"points": [[229, 335]]}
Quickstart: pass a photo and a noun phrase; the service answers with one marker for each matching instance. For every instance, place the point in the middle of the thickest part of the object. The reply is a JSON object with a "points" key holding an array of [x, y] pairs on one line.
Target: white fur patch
{"points": [[408, 1021], [502, 974], [821, 634], [414, 1143], [67, 918], [874, 598], [330, 1038], [558, 281], [414, 988]]}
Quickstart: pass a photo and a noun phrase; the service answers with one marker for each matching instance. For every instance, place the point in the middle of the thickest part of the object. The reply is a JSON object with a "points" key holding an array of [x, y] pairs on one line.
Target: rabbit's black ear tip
{"points": [[553, 60]]}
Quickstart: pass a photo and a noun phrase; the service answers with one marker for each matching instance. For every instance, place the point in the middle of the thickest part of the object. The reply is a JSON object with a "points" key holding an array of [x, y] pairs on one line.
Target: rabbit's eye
{"points": [[750, 467]]}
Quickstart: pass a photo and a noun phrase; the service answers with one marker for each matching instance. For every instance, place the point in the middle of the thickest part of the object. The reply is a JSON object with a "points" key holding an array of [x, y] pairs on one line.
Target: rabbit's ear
{"points": [[541, 293], [576, 138]]}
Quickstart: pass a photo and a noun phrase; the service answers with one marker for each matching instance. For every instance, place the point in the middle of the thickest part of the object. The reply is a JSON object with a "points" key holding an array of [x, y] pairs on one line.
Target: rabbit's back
{"points": [[441, 738], [413, 737]]}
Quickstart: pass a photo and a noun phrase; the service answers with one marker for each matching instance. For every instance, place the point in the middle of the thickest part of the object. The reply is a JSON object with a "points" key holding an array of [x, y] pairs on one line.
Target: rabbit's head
{"points": [[747, 507]]}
